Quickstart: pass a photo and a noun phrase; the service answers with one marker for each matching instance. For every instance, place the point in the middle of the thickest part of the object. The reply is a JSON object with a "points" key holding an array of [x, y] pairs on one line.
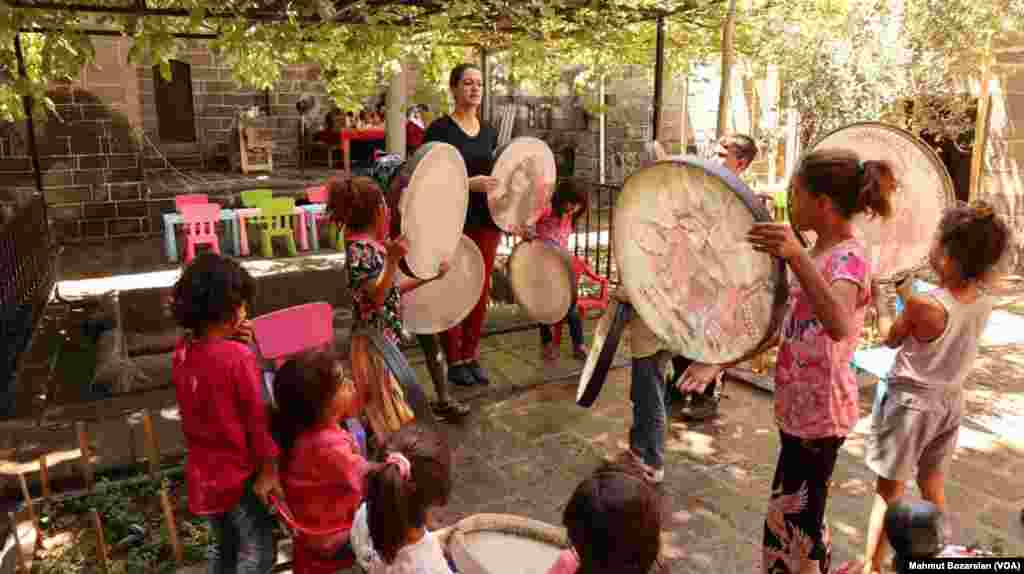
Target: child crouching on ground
{"points": [[614, 524], [390, 534], [915, 423], [321, 467], [231, 469]]}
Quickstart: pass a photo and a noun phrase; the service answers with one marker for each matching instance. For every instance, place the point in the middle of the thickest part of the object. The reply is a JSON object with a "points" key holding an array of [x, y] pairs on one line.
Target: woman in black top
{"points": [[476, 141]]}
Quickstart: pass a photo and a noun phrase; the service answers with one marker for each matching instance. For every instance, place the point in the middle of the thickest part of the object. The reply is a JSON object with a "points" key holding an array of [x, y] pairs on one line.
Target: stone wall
{"points": [[102, 147], [1001, 182]]}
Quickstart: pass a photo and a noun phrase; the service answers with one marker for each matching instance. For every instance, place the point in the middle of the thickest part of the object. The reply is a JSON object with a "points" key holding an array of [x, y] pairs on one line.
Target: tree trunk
{"points": [[725, 94]]}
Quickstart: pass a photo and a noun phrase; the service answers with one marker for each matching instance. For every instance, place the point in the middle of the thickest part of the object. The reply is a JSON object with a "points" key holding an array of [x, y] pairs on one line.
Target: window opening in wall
{"points": [[174, 107]]}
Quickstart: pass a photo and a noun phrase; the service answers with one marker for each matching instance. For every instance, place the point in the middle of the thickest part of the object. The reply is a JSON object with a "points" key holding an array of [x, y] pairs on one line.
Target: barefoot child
{"points": [[321, 468], [390, 534], [372, 261], [816, 394], [614, 524], [568, 204], [231, 469], [915, 423]]}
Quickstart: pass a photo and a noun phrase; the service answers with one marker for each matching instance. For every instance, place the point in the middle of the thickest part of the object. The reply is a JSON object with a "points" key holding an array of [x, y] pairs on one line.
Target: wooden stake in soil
{"points": [[28, 501], [83, 446], [172, 528], [152, 447], [44, 476], [101, 544], [18, 556]]}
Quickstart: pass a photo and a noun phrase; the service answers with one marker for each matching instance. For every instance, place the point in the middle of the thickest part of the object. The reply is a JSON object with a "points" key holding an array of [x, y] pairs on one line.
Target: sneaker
{"points": [[701, 407], [580, 353], [477, 373], [460, 375], [451, 410]]}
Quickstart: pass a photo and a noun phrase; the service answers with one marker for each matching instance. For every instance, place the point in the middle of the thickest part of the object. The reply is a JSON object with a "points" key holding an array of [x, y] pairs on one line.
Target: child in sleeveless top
{"points": [[916, 421], [816, 393], [614, 524], [568, 204], [372, 261], [390, 534], [231, 468], [321, 466]]}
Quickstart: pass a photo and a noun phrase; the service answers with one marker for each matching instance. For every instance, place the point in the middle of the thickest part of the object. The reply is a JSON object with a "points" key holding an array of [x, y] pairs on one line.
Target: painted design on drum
{"points": [[704, 278], [923, 192]]}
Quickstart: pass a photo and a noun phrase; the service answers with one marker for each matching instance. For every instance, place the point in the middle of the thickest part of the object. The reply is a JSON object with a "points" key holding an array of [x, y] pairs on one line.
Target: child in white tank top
{"points": [[917, 417]]}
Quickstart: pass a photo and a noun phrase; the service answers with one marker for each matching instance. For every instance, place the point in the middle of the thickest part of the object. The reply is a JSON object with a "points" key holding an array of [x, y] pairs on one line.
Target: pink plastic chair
{"points": [[190, 199], [319, 194], [200, 225], [289, 331]]}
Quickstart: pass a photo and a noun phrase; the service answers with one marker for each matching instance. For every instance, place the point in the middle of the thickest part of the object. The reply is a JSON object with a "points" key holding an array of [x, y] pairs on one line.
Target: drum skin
{"points": [[607, 335], [526, 174], [542, 280], [440, 305], [900, 244], [681, 246], [504, 544], [433, 206]]}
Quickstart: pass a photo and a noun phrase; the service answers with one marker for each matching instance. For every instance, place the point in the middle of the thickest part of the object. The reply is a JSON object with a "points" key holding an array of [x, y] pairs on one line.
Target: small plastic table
{"points": [[312, 210], [174, 218]]}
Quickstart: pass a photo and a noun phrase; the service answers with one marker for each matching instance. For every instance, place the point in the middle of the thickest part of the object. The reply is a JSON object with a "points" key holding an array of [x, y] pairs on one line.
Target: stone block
{"points": [[95, 113], [241, 100], [205, 73], [123, 161], [58, 178], [125, 227], [69, 113], [86, 144], [132, 209], [67, 194], [101, 192], [67, 212], [100, 210], [15, 164], [120, 144], [208, 100], [124, 191], [123, 175], [159, 207], [89, 177], [106, 94], [92, 229], [54, 146], [92, 162], [68, 230]]}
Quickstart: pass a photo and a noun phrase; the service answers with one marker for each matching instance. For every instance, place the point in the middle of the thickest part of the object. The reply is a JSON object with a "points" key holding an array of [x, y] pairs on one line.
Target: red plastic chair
{"points": [[199, 221], [190, 199], [585, 304], [289, 331], [319, 194]]}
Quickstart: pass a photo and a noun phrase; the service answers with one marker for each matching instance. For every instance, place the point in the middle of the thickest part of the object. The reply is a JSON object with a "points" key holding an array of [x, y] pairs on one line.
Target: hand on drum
{"points": [[698, 376], [396, 249], [776, 239], [483, 184]]}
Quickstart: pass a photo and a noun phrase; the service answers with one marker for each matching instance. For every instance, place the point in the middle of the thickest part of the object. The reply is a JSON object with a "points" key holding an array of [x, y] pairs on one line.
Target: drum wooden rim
{"points": [[759, 213], [601, 356], [505, 219], [467, 249], [519, 526], [518, 252], [948, 192], [431, 244]]}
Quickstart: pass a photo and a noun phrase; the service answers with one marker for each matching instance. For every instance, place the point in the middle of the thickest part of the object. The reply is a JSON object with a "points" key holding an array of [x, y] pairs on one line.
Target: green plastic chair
{"points": [[253, 197], [276, 221]]}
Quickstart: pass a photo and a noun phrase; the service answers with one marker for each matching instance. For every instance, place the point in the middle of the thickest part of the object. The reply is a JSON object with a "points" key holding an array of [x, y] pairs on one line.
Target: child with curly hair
{"points": [[231, 469], [916, 420]]}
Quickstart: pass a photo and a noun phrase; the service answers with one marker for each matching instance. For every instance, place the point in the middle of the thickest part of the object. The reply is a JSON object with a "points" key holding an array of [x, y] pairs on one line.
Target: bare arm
{"points": [[922, 318], [833, 304]]}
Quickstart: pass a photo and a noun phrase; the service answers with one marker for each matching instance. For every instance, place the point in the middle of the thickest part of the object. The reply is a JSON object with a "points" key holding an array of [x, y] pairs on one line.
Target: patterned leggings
{"points": [[795, 531]]}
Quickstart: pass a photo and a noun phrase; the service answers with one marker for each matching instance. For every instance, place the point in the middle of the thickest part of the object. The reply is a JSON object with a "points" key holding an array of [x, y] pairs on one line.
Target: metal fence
{"points": [[26, 280]]}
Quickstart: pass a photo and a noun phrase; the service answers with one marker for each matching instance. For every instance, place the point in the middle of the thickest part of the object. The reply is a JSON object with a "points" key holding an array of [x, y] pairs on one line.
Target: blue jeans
{"points": [[242, 539], [647, 391], [575, 329]]}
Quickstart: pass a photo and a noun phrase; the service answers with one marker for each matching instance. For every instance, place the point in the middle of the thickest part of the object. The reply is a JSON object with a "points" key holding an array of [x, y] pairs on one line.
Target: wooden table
{"points": [[348, 135], [174, 218]]}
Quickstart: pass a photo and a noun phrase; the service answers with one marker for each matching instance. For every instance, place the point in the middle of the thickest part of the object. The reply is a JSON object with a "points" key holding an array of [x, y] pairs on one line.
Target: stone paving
{"points": [[527, 445]]}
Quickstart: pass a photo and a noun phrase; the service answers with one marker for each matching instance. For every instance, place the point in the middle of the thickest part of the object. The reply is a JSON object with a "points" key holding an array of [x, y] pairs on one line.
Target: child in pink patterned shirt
{"points": [[568, 204], [816, 394]]}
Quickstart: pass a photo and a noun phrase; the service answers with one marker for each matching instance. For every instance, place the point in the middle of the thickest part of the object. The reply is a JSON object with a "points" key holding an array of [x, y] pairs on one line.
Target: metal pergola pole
{"points": [[659, 76], [485, 100]]}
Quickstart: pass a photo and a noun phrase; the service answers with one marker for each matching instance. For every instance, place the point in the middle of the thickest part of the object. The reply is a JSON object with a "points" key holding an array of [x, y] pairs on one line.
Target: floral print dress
{"points": [[816, 406], [386, 407]]}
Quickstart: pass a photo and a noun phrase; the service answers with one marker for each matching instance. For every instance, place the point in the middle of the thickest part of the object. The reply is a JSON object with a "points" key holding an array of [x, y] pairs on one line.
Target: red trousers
{"points": [[462, 342]]}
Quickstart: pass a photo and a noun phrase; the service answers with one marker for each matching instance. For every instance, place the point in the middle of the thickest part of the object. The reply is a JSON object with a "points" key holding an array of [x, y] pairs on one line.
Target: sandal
{"points": [[450, 410]]}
